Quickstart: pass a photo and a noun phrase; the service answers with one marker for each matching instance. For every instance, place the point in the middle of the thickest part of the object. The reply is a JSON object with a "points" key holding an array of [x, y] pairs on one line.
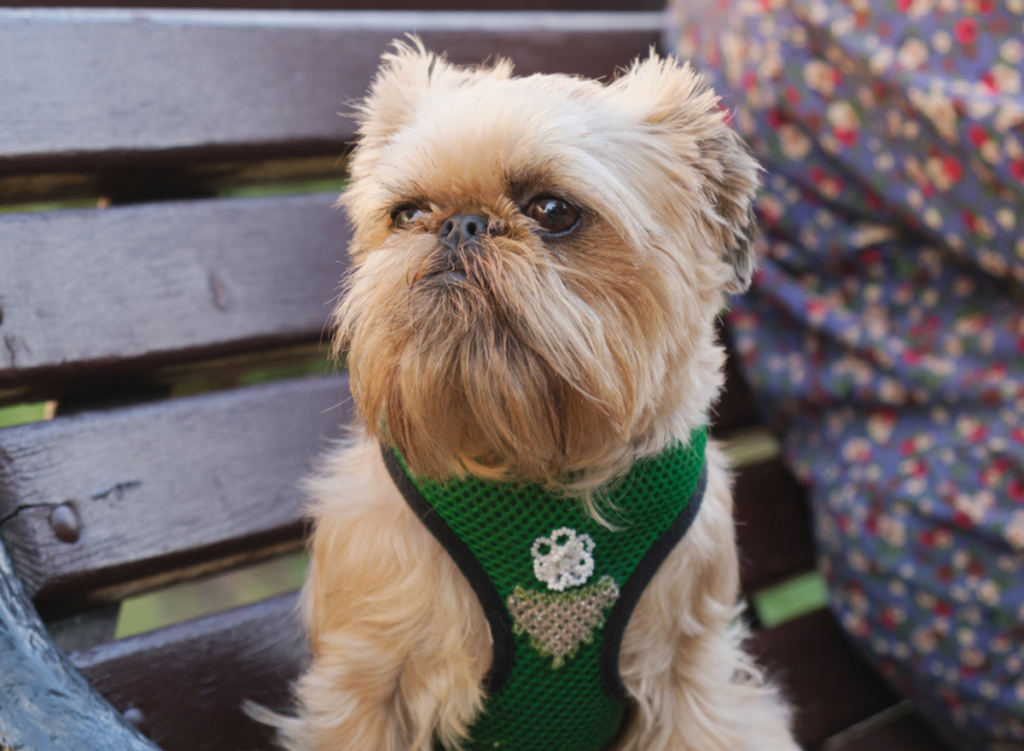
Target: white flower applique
{"points": [[563, 559]]}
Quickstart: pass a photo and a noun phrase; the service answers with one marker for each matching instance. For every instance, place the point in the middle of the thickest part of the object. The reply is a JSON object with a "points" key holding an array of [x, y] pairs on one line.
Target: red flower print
{"points": [[996, 371], [989, 82], [817, 309], [1015, 489], [962, 520], [952, 169], [845, 136], [915, 468], [980, 433], [969, 219], [993, 474], [904, 5], [1017, 169], [966, 31], [977, 135], [892, 617], [871, 255]]}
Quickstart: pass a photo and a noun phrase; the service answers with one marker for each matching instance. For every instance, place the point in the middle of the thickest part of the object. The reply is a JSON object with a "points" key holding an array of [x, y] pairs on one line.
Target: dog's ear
{"points": [[677, 105], [407, 73]]}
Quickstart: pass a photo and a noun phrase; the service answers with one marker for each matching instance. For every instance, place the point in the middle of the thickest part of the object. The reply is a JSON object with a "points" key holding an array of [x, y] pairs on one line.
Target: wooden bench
{"points": [[113, 312]]}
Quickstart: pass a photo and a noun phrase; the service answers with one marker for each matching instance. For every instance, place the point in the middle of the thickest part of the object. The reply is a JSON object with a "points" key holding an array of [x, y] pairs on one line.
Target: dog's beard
{"points": [[506, 362]]}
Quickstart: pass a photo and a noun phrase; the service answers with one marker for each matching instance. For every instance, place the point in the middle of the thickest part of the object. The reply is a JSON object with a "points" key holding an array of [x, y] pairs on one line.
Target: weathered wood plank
{"points": [[446, 5], [46, 704], [185, 684], [93, 86], [106, 290], [773, 524], [829, 686], [187, 180], [95, 502]]}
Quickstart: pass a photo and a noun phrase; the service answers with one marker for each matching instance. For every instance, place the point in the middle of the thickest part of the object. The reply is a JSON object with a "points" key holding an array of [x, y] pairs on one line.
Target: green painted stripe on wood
{"points": [[792, 598], [750, 446]]}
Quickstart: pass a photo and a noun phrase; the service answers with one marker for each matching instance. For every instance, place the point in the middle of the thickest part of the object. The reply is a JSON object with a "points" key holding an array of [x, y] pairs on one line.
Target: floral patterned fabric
{"points": [[884, 334]]}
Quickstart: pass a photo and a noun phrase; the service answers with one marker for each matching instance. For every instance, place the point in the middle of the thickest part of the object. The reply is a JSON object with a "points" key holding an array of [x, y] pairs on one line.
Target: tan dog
{"points": [[538, 263]]}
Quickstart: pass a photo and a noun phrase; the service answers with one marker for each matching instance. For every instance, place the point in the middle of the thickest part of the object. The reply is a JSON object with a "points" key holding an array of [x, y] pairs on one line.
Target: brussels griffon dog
{"points": [[527, 544]]}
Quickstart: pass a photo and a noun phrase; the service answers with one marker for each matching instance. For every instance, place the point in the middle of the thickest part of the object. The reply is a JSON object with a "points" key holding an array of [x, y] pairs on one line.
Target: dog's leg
{"points": [[695, 688], [399, 641]]}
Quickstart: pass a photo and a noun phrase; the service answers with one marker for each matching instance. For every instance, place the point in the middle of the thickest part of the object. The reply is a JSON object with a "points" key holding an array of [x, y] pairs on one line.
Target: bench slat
{"points": [[829, 686], [87, 86], [474, 5], [202, 481], [162, 282], [225, 657], [773, 524], [186, 683]]}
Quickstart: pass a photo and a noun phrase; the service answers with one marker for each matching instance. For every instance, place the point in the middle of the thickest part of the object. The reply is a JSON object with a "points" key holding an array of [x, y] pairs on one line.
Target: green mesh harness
{"points": [[558, 589]]}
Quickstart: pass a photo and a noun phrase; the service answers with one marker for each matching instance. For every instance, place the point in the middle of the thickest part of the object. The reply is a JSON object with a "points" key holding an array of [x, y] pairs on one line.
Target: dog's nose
{"points": [[462, 230]]}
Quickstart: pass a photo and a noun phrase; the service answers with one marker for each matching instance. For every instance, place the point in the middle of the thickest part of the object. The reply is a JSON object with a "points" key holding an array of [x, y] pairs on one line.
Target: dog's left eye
{"points": [[405, 215], [553, 214]]}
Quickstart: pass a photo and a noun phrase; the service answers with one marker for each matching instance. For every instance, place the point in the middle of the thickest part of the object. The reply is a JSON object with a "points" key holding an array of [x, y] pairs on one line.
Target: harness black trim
{"points": [[629, 596], [494, 609]]}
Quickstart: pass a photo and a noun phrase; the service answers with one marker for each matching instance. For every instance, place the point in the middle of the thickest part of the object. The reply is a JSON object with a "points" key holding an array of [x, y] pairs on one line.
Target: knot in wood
{"points": [[65, 523], [134, 717]]}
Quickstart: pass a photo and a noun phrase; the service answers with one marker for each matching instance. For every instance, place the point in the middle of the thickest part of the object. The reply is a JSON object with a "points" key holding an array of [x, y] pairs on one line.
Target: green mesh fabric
{"points": [[541, 707]]}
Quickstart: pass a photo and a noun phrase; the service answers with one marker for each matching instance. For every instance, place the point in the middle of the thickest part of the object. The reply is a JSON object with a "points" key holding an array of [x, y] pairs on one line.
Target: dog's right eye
{"points": [[405, 215], [554, 215]]}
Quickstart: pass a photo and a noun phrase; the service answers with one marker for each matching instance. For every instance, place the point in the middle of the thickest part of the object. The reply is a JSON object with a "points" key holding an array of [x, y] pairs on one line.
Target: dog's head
{"points": [[538, 262]]}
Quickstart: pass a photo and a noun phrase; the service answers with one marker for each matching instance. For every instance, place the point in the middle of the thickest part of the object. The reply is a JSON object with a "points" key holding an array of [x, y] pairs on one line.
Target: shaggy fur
{"points": [[557, 359]]}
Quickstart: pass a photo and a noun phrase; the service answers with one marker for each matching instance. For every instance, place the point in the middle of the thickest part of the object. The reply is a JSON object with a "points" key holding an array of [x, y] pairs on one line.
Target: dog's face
{"points": [[537, 265]]}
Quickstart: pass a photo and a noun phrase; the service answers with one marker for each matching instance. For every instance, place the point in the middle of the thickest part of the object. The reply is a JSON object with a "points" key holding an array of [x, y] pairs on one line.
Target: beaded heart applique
{"points": [[558, 622]]}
